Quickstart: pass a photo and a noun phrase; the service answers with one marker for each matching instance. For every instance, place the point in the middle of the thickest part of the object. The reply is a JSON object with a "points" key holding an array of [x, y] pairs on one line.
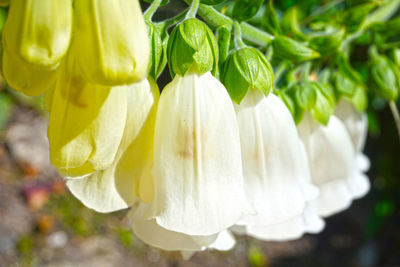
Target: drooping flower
{"points": [[36, 36], [111, 42], [129, 176], [198, 182], [38, 32], [357, 126], [86, 123], [332, 159], [276, 172], [153, 234]]}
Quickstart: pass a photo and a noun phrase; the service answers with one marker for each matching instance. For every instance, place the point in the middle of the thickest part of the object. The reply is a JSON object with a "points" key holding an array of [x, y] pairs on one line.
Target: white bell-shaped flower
{"points": [[198, 181], [129, 176], [276, 172], [331, 158], [153, 234], [357, 126]]}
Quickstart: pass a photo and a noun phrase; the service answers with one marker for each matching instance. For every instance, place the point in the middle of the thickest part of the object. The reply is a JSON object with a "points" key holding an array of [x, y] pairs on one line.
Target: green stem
{"points": [[162, 26], [381, 14], [305, 71], [238, 36], [321, 10], [282, 67], [148, 14], [216, 19], [396, 115], [194, 6]]}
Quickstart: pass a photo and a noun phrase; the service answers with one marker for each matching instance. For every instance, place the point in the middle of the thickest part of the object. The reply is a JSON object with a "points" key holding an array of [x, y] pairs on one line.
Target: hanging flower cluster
{"points": [[224, 149]]}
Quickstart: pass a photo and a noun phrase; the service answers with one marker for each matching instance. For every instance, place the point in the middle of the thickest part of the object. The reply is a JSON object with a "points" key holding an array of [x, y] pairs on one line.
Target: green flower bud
{"points": [[158, 52], [192, 42], [287, 48], [346, 79], [324, 103], [360, 98], [317, 98], [327, 43], [246, 69], [384, 75]]}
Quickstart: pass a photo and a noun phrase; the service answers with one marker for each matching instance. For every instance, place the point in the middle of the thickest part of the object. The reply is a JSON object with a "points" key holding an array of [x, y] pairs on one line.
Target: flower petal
{"points": [[331, 156], [111, 41], [38, 32], [86, 124], [25, 78], [197, 164], [117, 186], [275, 174], [155, 235]]}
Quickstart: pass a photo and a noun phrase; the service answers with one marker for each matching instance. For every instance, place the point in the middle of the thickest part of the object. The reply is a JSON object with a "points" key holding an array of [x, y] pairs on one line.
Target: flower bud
{"points": [[38, 32], [158, 52], [111, 42], [287, 48], [192, 42], [384, 75], [316, 98], [246, 69], [327, 43]]}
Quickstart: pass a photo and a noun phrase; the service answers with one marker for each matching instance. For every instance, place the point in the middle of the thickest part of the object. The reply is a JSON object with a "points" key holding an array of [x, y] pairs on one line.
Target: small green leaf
{"points": [[270, 20], [246, 9], [291, 26], [287, 48]]}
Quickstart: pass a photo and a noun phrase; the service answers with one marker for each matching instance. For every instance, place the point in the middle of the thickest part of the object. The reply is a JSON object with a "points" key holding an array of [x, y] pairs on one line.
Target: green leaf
{"points": [[360, 98], [355, 16], [327, 43], [246, 9], [270, 20], [291, 26], [324, 105], [287, 48], [305, 95]]}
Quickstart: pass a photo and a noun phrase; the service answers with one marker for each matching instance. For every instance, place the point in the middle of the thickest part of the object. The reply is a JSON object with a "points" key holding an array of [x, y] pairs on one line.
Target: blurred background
{"points": [[42, 224]]}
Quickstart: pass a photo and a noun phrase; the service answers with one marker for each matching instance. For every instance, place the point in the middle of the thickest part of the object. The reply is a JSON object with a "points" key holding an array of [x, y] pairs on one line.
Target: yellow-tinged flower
{"points": [[86, 125], [197, 171], [38, 32], [129, 176], [111, 41], [25, 77]]}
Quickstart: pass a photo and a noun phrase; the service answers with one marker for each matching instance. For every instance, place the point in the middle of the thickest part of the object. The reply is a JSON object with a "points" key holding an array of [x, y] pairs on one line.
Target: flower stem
{"points": [[238, 36], [216, 19], [148, 14], [194, 6], [381, 14], [396, 115], [171, 21]]}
